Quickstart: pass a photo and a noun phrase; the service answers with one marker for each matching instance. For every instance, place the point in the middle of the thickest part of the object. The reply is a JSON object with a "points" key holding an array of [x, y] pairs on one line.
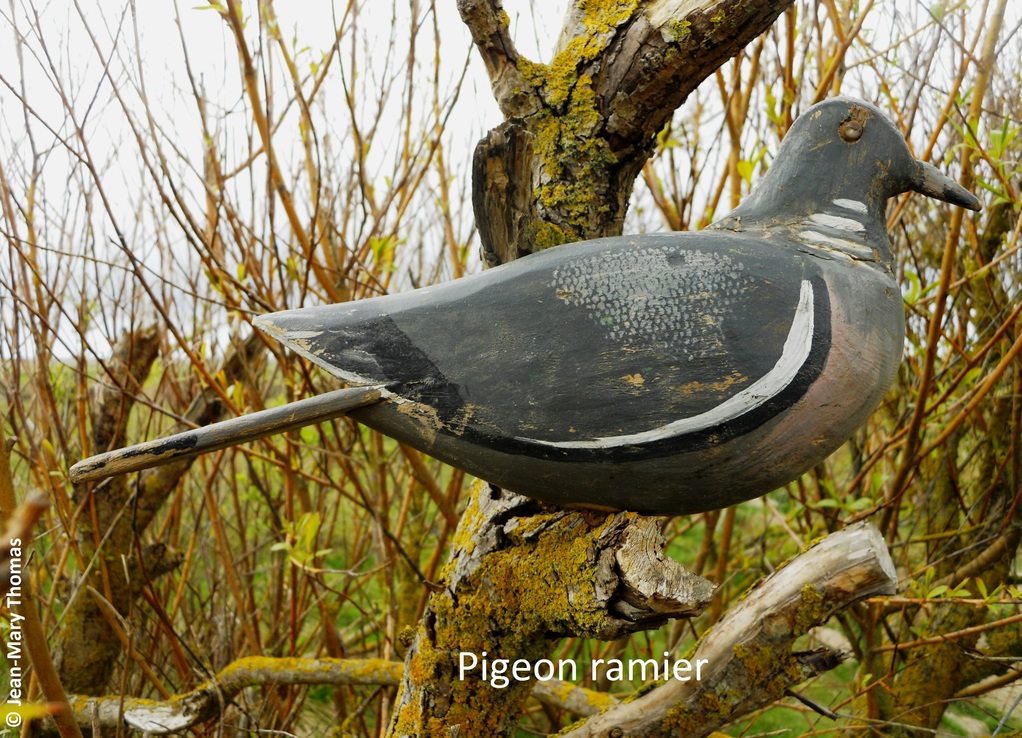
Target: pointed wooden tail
{"points": [[226, 433]]}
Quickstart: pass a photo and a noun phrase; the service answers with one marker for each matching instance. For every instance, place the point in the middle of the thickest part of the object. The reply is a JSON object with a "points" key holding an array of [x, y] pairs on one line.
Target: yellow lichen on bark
{"points": [[513, 603], [810, 612], [574, 159]]}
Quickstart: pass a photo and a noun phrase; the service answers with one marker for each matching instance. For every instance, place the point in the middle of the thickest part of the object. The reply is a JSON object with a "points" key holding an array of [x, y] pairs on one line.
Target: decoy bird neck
{"points": [[823, 192], [839, 225]]}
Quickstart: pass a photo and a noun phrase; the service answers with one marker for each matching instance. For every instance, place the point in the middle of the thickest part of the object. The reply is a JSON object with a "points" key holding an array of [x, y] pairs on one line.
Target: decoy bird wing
{"points": [[623, 342]]}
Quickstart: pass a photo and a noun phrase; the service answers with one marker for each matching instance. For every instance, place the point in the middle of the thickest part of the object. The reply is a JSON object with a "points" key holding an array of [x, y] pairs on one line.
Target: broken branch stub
{"points": [[748, 655]]}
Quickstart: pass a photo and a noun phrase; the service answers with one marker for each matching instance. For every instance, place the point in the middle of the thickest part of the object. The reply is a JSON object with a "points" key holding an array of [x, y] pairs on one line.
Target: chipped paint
{"points": [[722, 385], [300, 341], [636, 380], [854, 205], [851, 248], [837, 222], [273, 330], [426, 418]]}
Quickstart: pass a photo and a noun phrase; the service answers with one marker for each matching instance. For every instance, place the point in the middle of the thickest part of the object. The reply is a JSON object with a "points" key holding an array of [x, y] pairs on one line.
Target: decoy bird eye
{"points": [[852, 127], [851, 130]]}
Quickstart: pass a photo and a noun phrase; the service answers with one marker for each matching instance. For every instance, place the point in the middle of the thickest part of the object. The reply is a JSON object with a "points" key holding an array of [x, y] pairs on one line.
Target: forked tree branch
{"points": [[578, 130]]}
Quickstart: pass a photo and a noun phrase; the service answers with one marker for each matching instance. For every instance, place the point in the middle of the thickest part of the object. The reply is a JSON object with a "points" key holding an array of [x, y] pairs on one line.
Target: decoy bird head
{"points": [[834, 172]]}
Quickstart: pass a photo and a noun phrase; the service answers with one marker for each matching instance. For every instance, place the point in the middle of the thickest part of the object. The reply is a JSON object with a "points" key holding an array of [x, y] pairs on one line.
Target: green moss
{"points": [[714, 706], [758, 663], [679, 720], [685, 720]]}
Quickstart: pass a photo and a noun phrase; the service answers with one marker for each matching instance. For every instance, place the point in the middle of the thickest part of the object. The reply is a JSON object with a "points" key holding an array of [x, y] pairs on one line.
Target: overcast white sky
{"points": [[57, 28]]}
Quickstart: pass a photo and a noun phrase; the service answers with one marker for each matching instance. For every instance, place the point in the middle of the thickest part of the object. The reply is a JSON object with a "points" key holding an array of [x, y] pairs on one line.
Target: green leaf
{"points": [[771, 109], [745, 170], [826, 502]]}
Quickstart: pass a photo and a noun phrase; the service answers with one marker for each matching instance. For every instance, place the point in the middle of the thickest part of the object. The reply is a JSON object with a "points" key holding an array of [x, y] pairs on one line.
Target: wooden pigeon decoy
{"points": [[664, 373]]}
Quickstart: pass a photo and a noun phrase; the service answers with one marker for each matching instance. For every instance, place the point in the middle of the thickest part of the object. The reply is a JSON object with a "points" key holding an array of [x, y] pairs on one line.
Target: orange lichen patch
{"points": [[636, 380], [721, 386]]}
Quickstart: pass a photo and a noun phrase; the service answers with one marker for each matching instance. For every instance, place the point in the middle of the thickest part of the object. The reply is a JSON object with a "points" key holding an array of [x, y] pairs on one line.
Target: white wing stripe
{"points": [[796, 350], [851, 248]]}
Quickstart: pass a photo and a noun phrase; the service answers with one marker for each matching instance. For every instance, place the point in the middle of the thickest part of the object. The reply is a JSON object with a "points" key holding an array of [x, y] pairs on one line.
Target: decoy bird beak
{"points": [[932, 182]]}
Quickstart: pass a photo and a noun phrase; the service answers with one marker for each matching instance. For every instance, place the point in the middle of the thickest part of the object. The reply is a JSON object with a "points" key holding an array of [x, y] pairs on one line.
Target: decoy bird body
{"points": [[664, 373]]}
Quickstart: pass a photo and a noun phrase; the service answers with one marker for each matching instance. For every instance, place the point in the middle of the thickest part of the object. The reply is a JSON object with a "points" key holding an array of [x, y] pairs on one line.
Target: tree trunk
{"points": [[520, 578], [578, 131]]}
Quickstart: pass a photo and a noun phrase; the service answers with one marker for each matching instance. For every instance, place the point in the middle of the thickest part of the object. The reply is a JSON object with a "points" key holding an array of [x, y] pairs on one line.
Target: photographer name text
{"points": [[13, 641]]}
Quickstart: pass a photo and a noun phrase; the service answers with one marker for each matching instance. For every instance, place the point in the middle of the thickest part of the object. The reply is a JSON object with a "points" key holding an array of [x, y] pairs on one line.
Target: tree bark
{"points": [[521, 577], [86, 648], [578, 131], [749, 657], [213, 698]]}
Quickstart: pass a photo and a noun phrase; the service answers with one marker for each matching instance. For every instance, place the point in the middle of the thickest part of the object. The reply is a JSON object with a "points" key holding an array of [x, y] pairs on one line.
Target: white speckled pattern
{"points": [[655, 294]]}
